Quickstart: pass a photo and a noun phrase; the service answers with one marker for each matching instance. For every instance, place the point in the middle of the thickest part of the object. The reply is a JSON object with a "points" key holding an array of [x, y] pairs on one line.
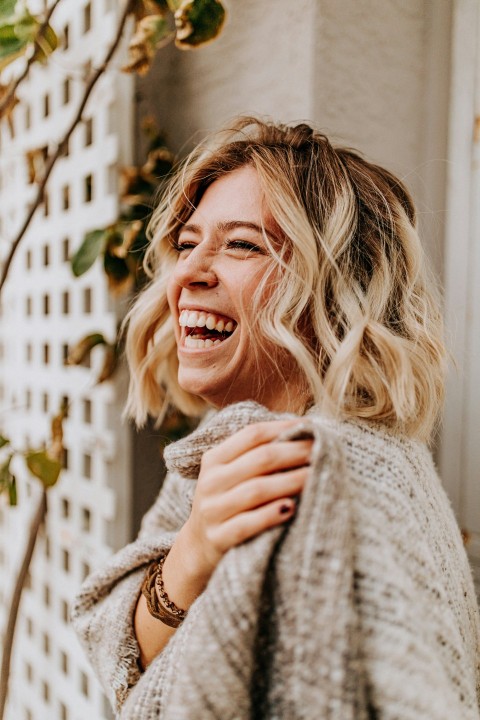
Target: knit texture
{"points": [[362, 606]]}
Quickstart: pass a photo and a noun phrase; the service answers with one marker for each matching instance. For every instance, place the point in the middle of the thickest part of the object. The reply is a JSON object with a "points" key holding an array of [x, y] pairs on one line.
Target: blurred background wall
{"points": [[399, 81]]}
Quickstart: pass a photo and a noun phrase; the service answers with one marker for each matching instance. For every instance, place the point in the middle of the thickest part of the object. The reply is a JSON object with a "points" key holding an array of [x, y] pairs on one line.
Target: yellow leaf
{"points": [[9, 106], [56, 449], [43, 467], [81, 351], [152, 32], [36, 160], [110, 363]]}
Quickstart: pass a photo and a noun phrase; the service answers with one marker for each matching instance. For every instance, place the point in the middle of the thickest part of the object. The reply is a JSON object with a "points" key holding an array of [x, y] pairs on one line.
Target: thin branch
{"points": [[15, 83], [35, 525], [64, 142]]}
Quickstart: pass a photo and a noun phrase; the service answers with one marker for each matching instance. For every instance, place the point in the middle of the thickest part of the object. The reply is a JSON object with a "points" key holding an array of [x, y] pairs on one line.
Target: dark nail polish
{"points": [[284, 509]]}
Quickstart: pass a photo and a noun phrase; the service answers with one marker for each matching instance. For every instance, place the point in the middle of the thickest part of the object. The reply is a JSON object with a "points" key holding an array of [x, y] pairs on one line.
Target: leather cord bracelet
{"points": [[159, 604]]}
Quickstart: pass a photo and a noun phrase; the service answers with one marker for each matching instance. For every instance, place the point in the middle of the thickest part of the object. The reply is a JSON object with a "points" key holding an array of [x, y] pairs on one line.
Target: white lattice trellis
{"points": [[44, 311]]}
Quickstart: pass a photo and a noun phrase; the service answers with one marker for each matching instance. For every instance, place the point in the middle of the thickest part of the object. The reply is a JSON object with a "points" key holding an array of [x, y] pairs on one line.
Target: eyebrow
{"points": [[227, 226]]}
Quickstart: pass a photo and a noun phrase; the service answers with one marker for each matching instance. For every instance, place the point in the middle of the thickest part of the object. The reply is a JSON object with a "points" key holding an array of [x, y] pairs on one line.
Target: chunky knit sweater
{"points": [[360, 607]]}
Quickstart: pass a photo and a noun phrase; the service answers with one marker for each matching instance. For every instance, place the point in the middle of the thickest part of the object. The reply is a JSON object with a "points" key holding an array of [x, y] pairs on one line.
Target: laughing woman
{"points": [[302, 559]]}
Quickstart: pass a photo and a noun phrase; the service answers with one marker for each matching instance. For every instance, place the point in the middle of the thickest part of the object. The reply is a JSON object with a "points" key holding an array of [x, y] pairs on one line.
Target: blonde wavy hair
{"points": [[352, 302]]}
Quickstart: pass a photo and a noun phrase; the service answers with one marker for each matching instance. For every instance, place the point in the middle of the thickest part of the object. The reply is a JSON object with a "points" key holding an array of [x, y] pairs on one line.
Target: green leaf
{"points": [[91, 247], [26, 27], [198, 22], [11, 47], [4, 441], [7, 9], [43, 467], [16, 35]]}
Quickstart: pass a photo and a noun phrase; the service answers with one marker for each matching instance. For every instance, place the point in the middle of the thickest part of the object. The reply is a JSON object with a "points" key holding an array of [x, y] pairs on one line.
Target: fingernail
{"points": [[287, 508]]}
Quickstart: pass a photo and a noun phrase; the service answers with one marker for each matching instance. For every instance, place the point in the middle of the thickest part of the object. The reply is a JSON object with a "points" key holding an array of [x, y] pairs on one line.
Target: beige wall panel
{"points": [[262, 63]]}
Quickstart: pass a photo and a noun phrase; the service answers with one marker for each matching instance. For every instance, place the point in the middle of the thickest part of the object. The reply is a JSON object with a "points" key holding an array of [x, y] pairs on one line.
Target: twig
{"points": [[35, 525], [63, 143], [15, 83]]}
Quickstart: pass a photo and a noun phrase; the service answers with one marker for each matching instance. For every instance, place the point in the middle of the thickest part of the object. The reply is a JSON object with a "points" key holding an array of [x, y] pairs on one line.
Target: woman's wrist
{"points": [[184, 575]]}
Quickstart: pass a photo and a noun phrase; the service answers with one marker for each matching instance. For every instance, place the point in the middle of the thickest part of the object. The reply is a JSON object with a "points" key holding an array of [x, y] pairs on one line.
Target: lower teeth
{"points": [[197, 343]]}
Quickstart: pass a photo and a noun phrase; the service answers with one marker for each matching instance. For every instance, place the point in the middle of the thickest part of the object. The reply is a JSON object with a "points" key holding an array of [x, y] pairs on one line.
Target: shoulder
{"points": [[373, 452]]}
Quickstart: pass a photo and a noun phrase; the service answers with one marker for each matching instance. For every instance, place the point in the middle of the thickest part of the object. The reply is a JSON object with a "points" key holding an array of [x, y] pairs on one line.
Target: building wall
{"points": [[459, 447], [372, 74], [45, 310]]}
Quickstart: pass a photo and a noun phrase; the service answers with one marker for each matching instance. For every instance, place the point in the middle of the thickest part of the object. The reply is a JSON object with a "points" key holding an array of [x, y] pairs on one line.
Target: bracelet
{"points": [[159, 604]]}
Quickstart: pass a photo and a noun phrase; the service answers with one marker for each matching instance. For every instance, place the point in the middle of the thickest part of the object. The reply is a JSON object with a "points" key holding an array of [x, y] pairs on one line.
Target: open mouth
{"points": [[205, 329]]}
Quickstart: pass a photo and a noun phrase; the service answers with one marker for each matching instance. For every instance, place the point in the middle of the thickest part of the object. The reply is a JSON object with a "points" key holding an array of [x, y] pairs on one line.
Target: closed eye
{"points": [[244, 245], [183, 245]]}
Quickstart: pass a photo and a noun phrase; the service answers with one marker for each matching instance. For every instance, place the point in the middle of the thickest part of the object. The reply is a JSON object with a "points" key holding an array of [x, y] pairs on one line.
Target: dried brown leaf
{"points": [[152, 33], [7, 111], [36, 162]]}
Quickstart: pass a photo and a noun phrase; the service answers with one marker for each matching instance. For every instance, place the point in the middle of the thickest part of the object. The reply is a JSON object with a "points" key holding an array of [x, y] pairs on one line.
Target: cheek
{"points": [[173, 294]]}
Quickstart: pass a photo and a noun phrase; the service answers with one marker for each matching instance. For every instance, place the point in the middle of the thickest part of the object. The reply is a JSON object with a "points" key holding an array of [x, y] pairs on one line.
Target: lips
{"points": [[205, 329]]}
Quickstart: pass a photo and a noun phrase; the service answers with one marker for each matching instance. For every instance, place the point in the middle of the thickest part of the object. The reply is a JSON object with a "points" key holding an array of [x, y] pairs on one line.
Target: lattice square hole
{"points": [[86, 520], [87, 300], [64, 611], [88, 136], [46, 596], [66, 91], [65, 508], [84, 684], [87, 466], [87, 411], [65, 197], [65, 302], [87, 18], [88, 189], [64, 664], [66, 250], [65, 555], [45, 691], [46, 644]]}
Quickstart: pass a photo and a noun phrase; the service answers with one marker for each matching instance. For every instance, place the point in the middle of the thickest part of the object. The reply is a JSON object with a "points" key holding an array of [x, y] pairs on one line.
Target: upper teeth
{"points": [[195, 318]]}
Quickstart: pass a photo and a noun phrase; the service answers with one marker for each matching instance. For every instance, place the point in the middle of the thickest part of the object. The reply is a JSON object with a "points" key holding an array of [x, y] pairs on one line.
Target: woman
{"points": [[302, 559]]}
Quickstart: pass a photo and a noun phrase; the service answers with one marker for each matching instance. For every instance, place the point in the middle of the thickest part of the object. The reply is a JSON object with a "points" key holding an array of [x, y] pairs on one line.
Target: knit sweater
{"points": [[360, 607]]}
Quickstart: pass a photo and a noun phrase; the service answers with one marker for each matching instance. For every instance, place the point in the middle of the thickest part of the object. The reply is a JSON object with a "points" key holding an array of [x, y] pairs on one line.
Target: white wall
{"points": [[374, 74], [460, 447], [89, 513]]}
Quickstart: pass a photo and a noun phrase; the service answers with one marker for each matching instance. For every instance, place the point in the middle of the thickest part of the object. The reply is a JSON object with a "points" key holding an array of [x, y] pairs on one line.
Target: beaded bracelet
{"points": [[159, 604]]}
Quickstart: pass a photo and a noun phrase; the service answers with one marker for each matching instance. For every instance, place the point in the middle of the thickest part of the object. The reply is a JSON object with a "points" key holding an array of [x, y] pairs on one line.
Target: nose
{"points": [[196, 268]]}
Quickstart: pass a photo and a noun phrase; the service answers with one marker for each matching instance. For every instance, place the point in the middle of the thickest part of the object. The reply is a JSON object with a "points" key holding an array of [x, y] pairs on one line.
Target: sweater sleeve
{"points": [[103, 611]]}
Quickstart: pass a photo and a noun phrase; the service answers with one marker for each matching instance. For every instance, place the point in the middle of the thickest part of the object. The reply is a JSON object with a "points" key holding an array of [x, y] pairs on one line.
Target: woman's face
{"points": [[222, 255]]}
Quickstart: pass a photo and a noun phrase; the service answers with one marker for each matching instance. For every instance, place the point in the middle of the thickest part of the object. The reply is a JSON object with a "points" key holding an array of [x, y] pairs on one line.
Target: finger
{"points": [[249, 437], [259, 491], [246, 525], [265, 460]]}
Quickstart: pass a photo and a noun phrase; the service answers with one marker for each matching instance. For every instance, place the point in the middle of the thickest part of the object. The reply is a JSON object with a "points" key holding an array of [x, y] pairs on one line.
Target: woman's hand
{"points": [[245, 486]]}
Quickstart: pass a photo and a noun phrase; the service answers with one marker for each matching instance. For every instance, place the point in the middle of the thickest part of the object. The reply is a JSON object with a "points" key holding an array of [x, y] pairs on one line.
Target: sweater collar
{"points": [[185, 455]]}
